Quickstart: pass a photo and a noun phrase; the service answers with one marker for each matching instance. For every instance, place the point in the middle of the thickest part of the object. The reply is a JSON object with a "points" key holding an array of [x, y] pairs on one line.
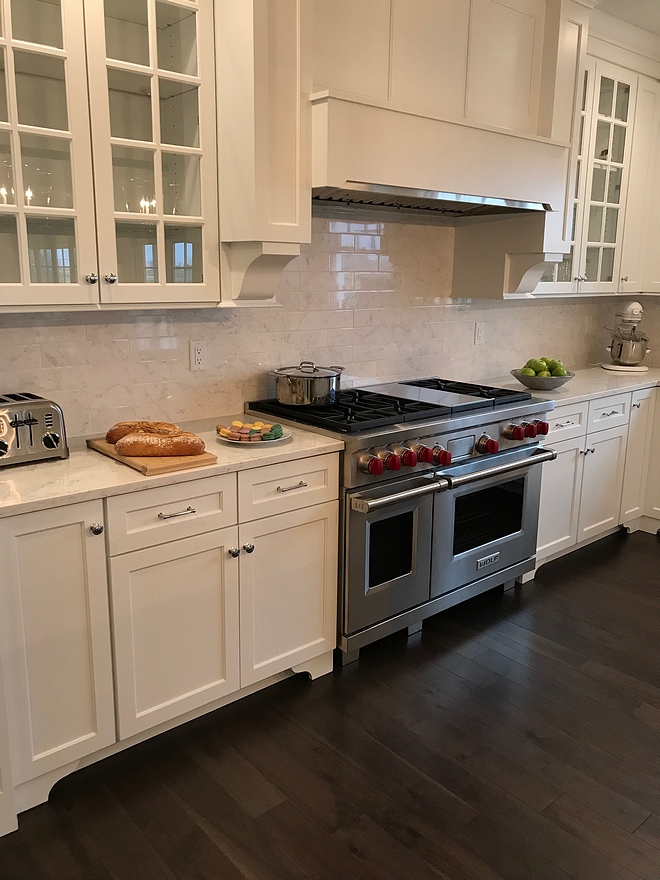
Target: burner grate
{"points": [[355, 410]]}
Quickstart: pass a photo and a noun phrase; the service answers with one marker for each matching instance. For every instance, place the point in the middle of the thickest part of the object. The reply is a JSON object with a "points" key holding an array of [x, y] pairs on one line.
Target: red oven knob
{"points": [[542, 428], [424, 453], [487, 446], [391, 460], [371, 464], [514, 432], [407, 456], [530, 430], [441, 456]]}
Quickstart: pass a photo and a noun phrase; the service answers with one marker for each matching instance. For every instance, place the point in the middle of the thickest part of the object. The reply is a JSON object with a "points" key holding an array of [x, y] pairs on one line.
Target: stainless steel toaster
{"points": [[31, 429]]}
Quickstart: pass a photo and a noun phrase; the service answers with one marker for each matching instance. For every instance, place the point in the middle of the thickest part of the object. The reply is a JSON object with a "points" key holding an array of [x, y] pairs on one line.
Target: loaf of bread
{"points": [[182, 443], [121, 429]]}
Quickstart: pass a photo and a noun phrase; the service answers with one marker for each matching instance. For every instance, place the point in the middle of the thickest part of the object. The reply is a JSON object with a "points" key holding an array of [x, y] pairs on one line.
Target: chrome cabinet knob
{"points": [[234, 552], [624, 278], [92, 278], [249, 548], [96, 528], [111, 278]]}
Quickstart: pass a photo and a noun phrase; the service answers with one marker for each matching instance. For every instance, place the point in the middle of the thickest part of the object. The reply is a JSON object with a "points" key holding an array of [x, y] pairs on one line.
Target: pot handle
{"points": [[335, 367], [279, 376], [304, 364]]}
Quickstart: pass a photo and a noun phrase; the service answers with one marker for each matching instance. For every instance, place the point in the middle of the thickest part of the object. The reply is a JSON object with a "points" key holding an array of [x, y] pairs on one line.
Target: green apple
{"points": [[538, 366], [559, 371], [544, 374], [526, 371]]}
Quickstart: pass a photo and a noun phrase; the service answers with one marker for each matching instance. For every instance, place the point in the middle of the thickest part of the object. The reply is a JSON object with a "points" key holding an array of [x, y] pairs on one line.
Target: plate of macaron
{"points": [[252, 432]]}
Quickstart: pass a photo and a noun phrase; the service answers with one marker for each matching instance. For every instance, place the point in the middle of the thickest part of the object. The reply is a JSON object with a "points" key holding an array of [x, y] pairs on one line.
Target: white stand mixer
{"points": [[628, 347]]}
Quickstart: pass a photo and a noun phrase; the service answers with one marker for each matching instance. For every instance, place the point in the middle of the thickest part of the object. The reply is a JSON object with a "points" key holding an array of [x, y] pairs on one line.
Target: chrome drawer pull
{"points": [[180, 513], [567, 424], [301, 485], [615, 412]]}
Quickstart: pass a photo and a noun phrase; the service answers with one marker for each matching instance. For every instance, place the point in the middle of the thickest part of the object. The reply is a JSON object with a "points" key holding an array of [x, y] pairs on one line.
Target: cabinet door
{"points": [[175, 626], [561, 481], [607, 166], [56, 638], [637, 454], [7, 809], [602, 481], [47, 236], [288, 590], [640, 196], [151, 75]]}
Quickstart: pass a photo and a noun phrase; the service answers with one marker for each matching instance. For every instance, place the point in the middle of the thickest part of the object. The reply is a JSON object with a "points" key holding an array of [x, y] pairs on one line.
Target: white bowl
{"points": [[542, 383]]}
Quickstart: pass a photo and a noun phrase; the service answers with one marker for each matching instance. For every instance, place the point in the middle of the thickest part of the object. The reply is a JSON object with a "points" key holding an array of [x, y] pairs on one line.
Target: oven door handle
{"points": [[499, 470], [361, 505]]}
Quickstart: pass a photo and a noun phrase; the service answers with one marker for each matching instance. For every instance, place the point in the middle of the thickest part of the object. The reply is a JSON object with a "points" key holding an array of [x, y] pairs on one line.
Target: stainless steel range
{"points": [[439, 497]]}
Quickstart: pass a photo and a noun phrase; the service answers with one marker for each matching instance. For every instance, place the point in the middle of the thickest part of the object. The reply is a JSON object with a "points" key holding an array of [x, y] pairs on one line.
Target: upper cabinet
{"points": [[123, 211], [478, 60], [152, 99]]}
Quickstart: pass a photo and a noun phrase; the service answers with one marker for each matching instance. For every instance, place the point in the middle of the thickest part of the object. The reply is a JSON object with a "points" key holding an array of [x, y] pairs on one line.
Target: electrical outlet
{"points": [[479, 331], [197, 355]]}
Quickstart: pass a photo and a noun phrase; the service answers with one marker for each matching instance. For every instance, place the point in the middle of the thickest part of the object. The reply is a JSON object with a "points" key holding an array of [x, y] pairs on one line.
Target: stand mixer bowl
{"points": [[628, 352]]}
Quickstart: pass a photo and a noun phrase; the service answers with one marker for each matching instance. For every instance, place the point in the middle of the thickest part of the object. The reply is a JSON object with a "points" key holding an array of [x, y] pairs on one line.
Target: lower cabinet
{"points": [[55, 638], [288, 579], [7, 808], [176, 625], [561, 482], [602, 481], [638, 454], [581, 490]]}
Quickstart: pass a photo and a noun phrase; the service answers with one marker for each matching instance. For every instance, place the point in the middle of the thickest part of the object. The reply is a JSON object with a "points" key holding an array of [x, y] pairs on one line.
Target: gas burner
{"points": [[354, 410]]}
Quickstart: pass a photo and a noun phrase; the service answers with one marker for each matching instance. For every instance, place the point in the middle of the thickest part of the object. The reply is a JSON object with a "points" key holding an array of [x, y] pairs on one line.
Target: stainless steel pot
{"points": [[628, 352], [307, 384]]}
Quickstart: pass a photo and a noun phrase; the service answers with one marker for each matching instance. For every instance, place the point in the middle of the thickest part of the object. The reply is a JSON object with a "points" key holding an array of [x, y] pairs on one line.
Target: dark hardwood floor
{"points": [[517, 738]]}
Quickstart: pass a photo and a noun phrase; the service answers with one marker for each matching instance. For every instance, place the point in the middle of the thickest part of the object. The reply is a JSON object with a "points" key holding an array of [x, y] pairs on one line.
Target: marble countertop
{"points": [[587, 384], [88, 475]]}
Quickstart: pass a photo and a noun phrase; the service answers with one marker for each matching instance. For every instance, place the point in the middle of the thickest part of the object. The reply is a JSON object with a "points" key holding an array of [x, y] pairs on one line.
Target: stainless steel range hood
{"points": [[445, 204]]}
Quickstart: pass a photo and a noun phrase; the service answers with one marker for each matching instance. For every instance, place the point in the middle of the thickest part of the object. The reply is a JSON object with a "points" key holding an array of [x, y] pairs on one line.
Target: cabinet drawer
{"points": [[156, 516], [609, 412], [567, 422], [291, 485]]}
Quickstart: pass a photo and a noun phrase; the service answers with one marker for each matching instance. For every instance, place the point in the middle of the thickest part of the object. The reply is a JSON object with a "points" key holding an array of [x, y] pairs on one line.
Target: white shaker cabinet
{"points": [[637, 454], [602, 155], [7, 808], [120, 209], [288, 590], [602, 481], [175, 626], [561, 482], [581, 489], [55, 630]]}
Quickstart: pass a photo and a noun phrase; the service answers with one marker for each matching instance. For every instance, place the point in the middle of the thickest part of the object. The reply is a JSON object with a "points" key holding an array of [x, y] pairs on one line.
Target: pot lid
{"points": [[308, 370]]}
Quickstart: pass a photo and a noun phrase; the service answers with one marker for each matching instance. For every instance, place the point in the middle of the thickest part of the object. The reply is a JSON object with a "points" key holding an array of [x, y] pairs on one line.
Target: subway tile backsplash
{"points": [[374, 297]]}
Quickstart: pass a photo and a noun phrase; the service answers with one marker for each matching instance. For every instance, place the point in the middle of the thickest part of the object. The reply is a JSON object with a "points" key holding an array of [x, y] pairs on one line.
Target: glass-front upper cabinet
{"points": [[602, 157], [153, 116], [47, 237]]}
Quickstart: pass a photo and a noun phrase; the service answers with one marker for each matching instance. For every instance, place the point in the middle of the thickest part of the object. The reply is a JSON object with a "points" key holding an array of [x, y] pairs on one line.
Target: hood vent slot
{"points": [[443, 203]]}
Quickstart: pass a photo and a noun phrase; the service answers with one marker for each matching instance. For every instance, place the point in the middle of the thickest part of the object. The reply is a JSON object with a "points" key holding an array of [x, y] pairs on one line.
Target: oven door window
{"points": [[486, 515], [391, 544]]}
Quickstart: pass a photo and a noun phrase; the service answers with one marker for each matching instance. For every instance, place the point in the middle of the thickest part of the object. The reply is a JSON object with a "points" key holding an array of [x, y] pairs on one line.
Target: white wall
{"points": [[370, 296]]}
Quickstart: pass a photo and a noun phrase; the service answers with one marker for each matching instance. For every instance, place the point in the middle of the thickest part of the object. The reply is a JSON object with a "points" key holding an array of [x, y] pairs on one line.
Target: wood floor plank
{"points": [[650, 831]]}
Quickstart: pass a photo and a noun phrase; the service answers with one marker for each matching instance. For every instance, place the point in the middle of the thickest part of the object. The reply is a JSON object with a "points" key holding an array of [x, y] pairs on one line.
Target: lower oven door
{"points": [[488, 519], [388, 551]]}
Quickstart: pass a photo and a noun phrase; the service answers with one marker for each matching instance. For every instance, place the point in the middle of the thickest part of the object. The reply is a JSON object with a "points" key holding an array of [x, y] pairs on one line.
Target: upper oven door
{"points": [[388, 551], [488, 520]]}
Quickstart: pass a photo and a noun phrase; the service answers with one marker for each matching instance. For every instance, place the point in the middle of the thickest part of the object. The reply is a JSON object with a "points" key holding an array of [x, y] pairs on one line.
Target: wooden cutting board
{"points": [[150, 465]]}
